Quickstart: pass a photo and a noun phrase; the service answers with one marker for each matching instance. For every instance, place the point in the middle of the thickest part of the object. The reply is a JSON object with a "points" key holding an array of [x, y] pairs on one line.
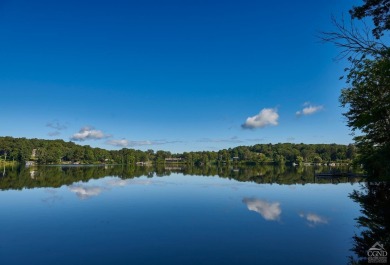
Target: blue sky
{"points": [[171, 75]]}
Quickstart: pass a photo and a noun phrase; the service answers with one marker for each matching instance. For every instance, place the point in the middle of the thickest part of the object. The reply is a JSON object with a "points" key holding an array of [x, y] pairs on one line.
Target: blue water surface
{"points": [[177, 219]]}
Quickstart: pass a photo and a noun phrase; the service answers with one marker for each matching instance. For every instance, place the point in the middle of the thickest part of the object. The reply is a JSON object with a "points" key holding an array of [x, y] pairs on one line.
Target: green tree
{"points": [[367, 94], [368, 98], [279, 159], [261, 158], [351, 151], [379, 10], [299, 160], [89, 155], [317, 159]]}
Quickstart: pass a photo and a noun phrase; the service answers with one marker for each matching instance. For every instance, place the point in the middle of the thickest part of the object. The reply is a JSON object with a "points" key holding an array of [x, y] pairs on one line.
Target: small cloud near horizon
{"points": [[126, 143], [266, 117], [55, 133], [57, 126], [89, 133], [120, 142], [233, 139], [255, 139], [309, 109]]}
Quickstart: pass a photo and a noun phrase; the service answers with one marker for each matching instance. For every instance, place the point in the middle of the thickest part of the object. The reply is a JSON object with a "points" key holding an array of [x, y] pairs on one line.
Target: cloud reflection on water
{"points": [[124, 182], [270, 211], [313, 219], [53, 196], [84, 192]]}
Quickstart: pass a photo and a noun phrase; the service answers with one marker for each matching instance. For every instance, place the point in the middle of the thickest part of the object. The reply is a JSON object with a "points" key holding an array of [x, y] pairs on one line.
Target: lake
{"points": [[119, 215]]}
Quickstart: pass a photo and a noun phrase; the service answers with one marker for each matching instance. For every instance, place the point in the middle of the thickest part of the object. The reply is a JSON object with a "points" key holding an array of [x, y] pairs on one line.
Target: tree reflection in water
{"points": [[56, 176], [374, 200]]}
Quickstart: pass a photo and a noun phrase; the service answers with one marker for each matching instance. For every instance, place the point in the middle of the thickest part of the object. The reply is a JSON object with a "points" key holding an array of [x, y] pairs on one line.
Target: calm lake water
{"points": [[115, 215]]}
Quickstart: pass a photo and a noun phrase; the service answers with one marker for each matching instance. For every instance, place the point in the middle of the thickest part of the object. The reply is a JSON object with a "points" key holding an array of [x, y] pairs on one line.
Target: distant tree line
{"points": [[61, 152]]}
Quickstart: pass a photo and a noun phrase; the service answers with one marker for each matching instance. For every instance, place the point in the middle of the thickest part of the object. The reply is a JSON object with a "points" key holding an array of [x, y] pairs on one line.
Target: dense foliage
{"points": [[379, 10], [367, 91], [61, 152], [368, 99]]}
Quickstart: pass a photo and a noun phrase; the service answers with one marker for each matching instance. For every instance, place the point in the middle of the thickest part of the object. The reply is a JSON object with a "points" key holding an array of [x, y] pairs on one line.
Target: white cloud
{"points": [[88, 133], [270, 211], [266, 117], [55, 133], [120, 143], [57, 126], [233, 139], [159, 142], [309, 109], [255, 140], [84, 192], [126, 143], [313, 219], [141, 143]]}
